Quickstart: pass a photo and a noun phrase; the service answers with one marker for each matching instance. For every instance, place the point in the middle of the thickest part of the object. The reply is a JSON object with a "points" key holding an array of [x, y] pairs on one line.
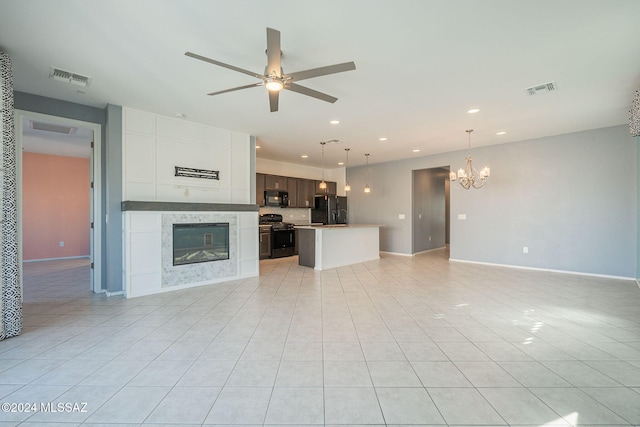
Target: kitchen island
{"points": [[329, 246]]}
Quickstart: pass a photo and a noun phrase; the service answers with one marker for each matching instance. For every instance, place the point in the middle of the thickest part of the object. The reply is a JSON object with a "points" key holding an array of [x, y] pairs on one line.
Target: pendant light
{"points": [[367, 189], [347, 187], [323, 185]]}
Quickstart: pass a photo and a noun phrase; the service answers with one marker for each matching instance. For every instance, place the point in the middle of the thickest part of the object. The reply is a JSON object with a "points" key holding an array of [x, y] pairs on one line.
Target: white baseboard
{"points": [[395, 253], [57, 259], [113, 294], [430, 250], [414, 254], [549, 270]]}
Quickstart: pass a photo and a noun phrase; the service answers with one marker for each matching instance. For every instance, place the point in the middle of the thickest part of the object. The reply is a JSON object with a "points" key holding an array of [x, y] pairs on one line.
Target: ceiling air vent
{"points": [[545, 87], [49, 127], [69, 77]]}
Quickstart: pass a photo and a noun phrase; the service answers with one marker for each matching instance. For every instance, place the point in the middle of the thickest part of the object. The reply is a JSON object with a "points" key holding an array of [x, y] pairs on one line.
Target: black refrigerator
{"points": [[329, 209]]}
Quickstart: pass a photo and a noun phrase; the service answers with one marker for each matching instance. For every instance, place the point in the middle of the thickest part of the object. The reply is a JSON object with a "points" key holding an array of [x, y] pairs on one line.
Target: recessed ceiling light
{"points": [[340, 163], [473, 110], [257, 146], [335, 122], [502, 132], [304, 156], [384, 138], [417, 150]]}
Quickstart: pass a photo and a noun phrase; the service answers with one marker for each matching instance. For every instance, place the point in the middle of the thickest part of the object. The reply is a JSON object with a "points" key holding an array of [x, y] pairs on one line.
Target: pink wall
{"points": [[55, 206]]}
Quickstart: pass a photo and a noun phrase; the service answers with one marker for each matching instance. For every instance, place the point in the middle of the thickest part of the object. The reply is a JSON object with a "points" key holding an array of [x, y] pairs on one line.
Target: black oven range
{"points": [[283, 235]]}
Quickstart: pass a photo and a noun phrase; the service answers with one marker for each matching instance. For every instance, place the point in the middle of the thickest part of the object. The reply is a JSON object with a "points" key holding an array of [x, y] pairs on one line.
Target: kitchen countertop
{"points": [[330, 226]]}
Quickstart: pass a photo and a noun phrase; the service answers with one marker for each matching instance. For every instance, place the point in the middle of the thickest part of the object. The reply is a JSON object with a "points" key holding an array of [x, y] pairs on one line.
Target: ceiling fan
{"points": [[274, 79]]}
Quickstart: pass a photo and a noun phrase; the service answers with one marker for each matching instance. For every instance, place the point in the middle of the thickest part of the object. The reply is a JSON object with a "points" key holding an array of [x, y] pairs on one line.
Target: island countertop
{"points": [[336, 245], [330, 226]]}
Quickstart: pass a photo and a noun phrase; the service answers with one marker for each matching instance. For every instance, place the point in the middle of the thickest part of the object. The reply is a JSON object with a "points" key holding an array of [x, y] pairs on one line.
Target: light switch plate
{"points": [[462, 217]]}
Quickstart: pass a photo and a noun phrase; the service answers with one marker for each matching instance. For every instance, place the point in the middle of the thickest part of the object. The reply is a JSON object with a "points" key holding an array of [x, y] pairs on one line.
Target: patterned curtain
{"points": [[11, 286], [634, 115]]}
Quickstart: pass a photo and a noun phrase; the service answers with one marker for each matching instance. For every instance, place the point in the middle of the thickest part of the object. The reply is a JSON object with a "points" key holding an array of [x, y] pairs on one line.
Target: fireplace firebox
{"points": [[200, 242]]}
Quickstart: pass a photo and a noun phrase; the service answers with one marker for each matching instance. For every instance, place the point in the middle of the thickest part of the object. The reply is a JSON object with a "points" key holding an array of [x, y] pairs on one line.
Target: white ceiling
{"points": [[77, 143], [420, 65]]}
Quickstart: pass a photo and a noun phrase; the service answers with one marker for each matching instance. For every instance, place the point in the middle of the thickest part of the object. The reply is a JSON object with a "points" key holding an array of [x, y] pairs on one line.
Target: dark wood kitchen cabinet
{"points": [[275, 182], [306, 192], [292, 189], [301, 190], [265, 242], [260, 187], [332, 188]]}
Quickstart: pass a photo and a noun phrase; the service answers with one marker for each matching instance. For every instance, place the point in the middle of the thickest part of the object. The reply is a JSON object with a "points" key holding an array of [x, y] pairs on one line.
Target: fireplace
{"points": [[200, 242]]}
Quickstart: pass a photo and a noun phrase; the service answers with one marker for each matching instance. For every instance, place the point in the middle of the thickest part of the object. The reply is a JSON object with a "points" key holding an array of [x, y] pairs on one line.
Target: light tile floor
{"points": [[403, 340]]}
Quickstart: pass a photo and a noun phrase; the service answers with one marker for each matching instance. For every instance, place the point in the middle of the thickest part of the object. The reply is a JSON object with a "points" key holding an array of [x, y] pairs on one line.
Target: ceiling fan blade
{"points": [[222, 64], [274, 97], [235, 88], [321, 71], [273, 53], [310, 92]]}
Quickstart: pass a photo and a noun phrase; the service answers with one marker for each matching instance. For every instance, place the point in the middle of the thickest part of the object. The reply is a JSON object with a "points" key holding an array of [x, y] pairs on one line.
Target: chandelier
{"points": [[469, 176]]}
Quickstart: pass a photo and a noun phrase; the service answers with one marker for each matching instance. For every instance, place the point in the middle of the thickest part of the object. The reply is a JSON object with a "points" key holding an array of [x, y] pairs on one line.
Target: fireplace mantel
{"points": [[133, 205]]}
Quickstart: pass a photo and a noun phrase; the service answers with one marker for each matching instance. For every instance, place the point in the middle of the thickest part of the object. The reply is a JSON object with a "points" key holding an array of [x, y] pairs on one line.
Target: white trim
{"points": [[416, 253], [57, 259], [396, 253], [638, 283], [97, 184], [430, 250], [111, 294], [549, 270]]}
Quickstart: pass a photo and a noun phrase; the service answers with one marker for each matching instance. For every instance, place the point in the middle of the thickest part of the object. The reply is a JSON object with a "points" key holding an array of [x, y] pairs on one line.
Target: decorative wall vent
{"points": [[69, 77], [545, 87], [50, 127]]}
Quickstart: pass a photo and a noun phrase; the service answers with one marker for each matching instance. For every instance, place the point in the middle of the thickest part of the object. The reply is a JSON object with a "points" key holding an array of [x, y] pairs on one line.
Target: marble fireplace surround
{"points": [[175, 275], [168, 276]]}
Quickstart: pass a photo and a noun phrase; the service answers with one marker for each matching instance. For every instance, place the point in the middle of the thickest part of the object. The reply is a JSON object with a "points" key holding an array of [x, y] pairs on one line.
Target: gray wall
{"points": [[114, 262], [571, 199], [428, 212]]}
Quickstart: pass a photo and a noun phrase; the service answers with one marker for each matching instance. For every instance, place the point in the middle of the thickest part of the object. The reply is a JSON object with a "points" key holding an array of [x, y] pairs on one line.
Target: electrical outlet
{"points": [[61, 244], [525, 249]]}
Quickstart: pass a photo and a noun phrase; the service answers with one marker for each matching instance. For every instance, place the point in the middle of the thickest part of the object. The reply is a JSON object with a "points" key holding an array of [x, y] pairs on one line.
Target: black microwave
{"points": [[276, 198]]}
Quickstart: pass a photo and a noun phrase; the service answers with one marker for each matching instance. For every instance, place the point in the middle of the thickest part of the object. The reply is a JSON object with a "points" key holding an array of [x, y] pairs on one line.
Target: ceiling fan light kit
{"points": [[273, 84], [274, 79]]}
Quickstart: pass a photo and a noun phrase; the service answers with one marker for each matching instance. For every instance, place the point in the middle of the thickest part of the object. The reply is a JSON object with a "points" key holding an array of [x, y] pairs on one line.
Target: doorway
{"points": [[430, 209], [59, 207]]}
